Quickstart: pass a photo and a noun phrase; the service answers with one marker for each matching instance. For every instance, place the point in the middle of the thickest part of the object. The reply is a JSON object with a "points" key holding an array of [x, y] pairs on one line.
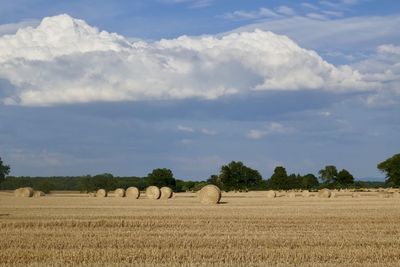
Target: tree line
{"points": [[233, 176]]}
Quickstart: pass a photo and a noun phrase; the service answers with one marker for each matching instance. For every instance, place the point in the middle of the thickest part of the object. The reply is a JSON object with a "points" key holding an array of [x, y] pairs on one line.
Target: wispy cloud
{"points": [[271, 128], [250, 15], [185, 129], [191, 3], [208, 131]]}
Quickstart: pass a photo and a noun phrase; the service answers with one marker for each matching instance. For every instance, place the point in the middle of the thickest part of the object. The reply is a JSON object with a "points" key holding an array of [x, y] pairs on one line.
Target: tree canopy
{"points": [[161, 177], [391, 167], [236, 176], [4, 171]]}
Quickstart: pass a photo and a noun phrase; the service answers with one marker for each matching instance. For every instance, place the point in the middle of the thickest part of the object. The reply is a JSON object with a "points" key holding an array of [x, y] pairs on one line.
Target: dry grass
{"points": [[246, 229]]}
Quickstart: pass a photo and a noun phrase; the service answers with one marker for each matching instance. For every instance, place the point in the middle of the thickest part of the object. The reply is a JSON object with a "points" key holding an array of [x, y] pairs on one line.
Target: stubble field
{"points": [[246, 229]]}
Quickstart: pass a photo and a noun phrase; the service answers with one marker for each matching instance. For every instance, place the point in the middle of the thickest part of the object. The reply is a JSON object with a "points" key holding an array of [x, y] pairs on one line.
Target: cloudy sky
{"points": [[128, 86]]}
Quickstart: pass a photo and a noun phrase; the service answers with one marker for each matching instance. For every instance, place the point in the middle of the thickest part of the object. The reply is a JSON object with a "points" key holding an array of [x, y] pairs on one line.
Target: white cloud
{"points": [[64, 61], [325, 113], [192, 3], [185, 129], [208, 131], [12, 28], [383, 67], [285, 10], [340, 34], [250, 15], [271, 128]]}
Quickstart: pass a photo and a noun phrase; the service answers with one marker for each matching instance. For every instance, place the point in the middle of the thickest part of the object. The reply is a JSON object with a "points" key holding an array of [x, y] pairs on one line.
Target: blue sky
{"points": [[322, 88]]}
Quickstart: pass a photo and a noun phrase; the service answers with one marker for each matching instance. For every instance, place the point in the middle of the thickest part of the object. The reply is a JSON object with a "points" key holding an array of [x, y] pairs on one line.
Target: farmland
{"points": [[245, 229]]}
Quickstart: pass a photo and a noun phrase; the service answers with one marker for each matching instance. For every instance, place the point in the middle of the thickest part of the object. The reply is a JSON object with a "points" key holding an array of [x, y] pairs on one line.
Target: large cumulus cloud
{"points": [[64, 60]]}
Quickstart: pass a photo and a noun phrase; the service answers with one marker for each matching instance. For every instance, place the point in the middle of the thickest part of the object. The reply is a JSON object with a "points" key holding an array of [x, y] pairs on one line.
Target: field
{"points": [[246, 229]]}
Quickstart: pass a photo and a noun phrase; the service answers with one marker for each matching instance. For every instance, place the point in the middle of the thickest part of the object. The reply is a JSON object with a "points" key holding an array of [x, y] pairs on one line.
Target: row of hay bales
{"points": [[28, 192], [152, 192], [326, 193]]}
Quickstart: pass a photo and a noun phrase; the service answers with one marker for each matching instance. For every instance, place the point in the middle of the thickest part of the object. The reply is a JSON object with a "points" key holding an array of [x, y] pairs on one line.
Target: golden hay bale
{"points": [[291, 194], [356, 195], [101, 193], [119, 192], [271, 194], [92, 194], [305, 193], [24, 192], [209, 194], [153, 192], [324, 193], [166, 192], [38, 194], [132, 192]]}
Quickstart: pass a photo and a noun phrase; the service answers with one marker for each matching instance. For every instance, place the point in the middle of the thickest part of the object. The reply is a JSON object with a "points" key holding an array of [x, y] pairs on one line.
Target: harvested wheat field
{"points": [[245, 229]]}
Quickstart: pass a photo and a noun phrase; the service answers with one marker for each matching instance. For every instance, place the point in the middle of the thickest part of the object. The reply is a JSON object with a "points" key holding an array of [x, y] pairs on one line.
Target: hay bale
{"points": [[271, 194], [209, 194], [132, 192], [119, 192], [101, 193], [356, 195], [324, 193], [305, 193], [23, 192], [153, 192], [166, 192], [291, 194], [38, 194]]}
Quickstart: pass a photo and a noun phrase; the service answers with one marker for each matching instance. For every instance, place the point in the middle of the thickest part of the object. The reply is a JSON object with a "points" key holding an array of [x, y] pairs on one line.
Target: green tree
{"points": [[309, 181], [237, 176], [279, 179], [345, 178], [4, 171], [161, 177], [103, 181], [86, 184], [328, 174], [45, 185], [391, 167]]}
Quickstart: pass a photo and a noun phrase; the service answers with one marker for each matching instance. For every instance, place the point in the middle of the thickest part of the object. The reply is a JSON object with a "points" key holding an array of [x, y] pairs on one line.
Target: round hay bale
{"points": [[24, 192], [153, 192], [305, 193], [166, 192], [291, 194], [101, 193], [356, 195], [271, 194], [92, 194], [38, 194], [324, 193], [209, 194], [119, 192], [132, 192]]}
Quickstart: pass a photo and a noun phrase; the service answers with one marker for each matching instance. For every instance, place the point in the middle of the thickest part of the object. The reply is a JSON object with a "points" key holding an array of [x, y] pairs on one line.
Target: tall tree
{"points": [[328, 174], [237, 176], [161, 177], [344, 177], [391, 167], [309, 181], [4, 171], [279, 179]]}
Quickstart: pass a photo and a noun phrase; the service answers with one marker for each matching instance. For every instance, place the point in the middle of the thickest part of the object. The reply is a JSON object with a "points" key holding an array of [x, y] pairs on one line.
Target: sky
{"points": [[124, 87]]}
